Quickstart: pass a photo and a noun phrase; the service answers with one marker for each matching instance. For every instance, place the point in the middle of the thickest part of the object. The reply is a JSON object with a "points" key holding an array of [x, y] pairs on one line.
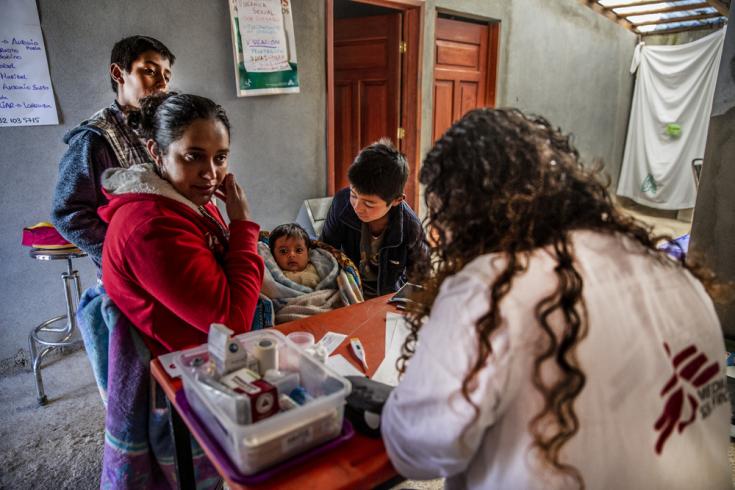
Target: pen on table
{"points": [[359, 352]]}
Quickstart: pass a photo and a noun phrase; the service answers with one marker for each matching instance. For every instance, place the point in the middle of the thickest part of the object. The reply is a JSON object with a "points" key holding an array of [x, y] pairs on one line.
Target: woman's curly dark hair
{"points": [[501, 182]]}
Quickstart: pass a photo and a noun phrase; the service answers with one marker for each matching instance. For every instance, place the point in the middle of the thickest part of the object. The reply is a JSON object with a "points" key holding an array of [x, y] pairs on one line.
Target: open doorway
{"points": [[373, 52]]}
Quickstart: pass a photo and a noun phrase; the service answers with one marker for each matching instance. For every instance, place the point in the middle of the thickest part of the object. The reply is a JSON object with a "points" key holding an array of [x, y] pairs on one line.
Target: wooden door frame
{"points": [[492, 63], [413, 28]]}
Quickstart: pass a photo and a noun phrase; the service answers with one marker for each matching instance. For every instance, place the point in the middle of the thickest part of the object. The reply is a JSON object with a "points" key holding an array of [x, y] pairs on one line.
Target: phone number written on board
{"points": [[19, 120]]}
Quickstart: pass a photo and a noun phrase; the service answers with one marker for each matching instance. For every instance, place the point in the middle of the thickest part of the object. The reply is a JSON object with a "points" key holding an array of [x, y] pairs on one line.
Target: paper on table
{"points": [[391, 321], [396, 331], [343, 366], [171, 368], [331, 341]]}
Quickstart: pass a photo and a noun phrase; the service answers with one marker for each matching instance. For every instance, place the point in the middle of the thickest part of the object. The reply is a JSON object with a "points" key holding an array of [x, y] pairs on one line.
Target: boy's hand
{"points": [[236, 202]]}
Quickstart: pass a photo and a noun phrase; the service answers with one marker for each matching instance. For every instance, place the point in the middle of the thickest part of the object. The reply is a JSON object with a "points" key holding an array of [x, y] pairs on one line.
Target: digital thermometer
{"points": [[359, 352]]}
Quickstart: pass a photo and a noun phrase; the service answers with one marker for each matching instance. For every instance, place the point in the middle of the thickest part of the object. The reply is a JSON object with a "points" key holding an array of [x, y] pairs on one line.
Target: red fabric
{"points": [[165, 266], [43, 235]]}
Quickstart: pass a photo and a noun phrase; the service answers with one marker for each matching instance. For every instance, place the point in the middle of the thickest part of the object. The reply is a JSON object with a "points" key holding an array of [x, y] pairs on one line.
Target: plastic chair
{"points": [[312, 215], [697, 170]]}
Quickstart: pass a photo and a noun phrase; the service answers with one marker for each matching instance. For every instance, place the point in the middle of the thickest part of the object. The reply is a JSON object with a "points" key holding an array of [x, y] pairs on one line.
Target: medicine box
{"points": [[254, 447]]}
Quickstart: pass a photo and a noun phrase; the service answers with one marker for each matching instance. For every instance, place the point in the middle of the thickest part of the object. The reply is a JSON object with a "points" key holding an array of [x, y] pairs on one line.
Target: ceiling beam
{"points": [[662, 32], [634, 4], [664, 10], [623, 19], [721, 8], [608, 13], [685, 18]]}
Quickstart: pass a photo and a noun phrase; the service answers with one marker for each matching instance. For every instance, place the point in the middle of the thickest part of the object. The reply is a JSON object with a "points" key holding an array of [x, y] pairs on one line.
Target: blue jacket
{"points": [[78, 191], [403, 243], [103, 141]]}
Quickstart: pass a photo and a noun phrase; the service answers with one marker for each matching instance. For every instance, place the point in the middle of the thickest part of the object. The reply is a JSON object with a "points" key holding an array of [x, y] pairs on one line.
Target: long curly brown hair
{"points": [[501, 182]]}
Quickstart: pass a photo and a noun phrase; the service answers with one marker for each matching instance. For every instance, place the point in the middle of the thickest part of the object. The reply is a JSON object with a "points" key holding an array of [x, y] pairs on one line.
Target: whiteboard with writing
{"points": [[26, 96]]}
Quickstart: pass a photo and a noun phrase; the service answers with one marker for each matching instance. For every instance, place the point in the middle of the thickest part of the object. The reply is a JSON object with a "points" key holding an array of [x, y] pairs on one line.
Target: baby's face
{"points": [[291, 254]]}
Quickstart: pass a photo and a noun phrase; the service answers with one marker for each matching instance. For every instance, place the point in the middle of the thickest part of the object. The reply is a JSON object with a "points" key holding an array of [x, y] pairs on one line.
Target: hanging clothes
{"points": [[669, 118]]}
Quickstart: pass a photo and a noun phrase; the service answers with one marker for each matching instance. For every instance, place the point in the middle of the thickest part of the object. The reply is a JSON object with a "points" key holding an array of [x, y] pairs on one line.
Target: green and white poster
{"points": [[265, 47]]}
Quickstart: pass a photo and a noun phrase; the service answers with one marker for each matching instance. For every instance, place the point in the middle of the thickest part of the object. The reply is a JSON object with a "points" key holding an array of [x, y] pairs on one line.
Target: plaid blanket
{"points": [[128, 146], [292, 301], [138, 451]]}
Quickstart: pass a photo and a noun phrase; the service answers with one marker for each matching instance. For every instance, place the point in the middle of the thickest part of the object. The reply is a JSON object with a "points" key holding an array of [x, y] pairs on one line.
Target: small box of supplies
{"points": [[261, 397]]}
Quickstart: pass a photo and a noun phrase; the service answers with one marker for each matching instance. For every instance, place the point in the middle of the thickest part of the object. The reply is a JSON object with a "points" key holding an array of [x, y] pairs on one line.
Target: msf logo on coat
{"points": [[693, 391]]}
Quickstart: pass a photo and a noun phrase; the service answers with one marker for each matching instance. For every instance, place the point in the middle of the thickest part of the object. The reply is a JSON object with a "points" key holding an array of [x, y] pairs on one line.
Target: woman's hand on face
{"points": [[236, 202]]}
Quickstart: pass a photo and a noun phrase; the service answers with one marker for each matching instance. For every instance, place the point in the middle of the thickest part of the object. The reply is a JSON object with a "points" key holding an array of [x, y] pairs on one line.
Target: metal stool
{"points": [[56, 336]]}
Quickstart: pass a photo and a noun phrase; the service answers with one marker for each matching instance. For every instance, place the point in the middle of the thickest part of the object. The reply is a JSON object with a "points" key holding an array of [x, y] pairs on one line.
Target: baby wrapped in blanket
{"points": [[302, 280]]}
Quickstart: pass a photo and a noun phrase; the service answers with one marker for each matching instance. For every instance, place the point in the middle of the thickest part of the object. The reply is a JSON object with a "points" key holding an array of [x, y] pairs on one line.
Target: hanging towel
{"points": [[669, 118]]}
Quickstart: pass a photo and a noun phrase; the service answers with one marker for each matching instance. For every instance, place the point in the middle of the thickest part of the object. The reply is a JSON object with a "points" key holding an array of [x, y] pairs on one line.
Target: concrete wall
{"points": [[278, 142], [713, 227], [677, 38], [558, 59]]}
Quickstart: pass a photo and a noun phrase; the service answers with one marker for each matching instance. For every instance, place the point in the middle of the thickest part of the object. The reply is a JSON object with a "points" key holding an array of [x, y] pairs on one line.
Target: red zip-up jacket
{"points": [[173, 272]]}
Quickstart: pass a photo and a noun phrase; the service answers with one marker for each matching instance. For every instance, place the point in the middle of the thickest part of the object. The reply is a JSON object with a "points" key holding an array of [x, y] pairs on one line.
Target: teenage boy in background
{"points": [[371, 222], [139, 66]]}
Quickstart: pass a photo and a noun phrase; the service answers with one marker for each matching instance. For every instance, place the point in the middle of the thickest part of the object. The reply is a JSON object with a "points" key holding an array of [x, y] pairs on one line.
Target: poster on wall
{"points": [[264, 47], [26, 96]]}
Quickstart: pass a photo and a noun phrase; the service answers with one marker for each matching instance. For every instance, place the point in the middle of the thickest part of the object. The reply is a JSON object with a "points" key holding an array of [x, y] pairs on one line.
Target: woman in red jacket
{"points": [[170, 262]]}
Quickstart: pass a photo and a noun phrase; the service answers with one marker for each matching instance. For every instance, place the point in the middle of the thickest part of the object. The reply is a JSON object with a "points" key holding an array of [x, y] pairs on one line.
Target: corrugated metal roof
{"points": [[648, 17]]}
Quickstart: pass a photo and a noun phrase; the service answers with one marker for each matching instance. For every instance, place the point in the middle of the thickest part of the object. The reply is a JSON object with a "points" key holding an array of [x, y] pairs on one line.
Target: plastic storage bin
{"points": [[256, 446]]}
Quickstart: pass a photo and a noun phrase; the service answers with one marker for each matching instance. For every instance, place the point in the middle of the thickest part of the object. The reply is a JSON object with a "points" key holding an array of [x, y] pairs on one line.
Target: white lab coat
{"points": [[635, 304]]}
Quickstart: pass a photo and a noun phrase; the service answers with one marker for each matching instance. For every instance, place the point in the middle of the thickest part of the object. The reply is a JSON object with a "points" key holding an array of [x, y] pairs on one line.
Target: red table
{"points": [[360, 462]]}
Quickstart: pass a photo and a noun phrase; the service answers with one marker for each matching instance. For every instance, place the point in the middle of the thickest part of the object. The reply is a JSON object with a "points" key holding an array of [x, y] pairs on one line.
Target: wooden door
{"points": [[366, 86], [464, 70]]}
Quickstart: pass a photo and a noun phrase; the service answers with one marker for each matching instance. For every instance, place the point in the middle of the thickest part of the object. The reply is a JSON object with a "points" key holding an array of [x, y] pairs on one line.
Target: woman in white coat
{"points": [[555, 347]]}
